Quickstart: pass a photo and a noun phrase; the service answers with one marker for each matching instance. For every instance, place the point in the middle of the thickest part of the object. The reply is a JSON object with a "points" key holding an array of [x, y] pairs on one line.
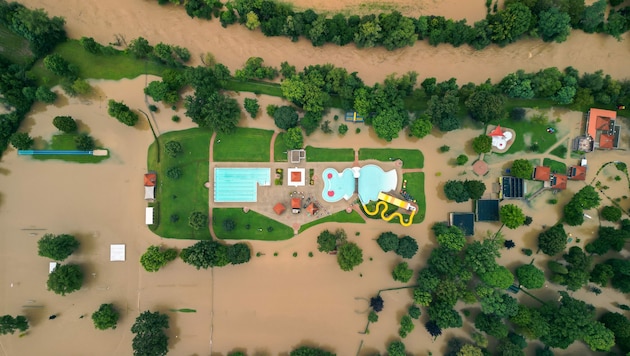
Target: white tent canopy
{"points": [[149, 216], [149, 193], [117, 252]]}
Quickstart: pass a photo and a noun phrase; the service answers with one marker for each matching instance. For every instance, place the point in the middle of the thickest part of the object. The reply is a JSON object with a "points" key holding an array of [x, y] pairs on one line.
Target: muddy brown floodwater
{"points": [[131, 19], [273, 303]]}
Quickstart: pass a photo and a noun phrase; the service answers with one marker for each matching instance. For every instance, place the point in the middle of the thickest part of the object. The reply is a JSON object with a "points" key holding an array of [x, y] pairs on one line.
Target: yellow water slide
{"points": [[382, 203]]}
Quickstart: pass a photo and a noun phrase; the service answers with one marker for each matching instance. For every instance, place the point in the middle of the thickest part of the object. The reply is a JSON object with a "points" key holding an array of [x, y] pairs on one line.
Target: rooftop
{"points": [[542, 173], [487, 209], [577, 173], [512, 187], [559, 181], [465, 221]]}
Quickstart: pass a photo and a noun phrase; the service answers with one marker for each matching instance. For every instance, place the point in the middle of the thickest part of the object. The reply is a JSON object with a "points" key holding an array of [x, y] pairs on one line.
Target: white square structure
{"points": [[117, 252], [51, 267], [148, 217], [296, 177]]}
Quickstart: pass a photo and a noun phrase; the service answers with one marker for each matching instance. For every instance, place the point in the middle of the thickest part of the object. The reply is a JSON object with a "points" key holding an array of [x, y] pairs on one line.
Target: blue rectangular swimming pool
{"points": [[236, 185]]}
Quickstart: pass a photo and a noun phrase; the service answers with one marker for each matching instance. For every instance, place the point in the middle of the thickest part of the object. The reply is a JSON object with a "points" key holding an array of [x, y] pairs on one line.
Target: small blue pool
{"points": [[236, 185], [338, 185], [371, 181]]}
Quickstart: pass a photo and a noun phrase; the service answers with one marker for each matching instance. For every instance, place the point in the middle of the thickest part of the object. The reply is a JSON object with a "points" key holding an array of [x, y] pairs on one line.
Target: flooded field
{"points": [[272, 304]]}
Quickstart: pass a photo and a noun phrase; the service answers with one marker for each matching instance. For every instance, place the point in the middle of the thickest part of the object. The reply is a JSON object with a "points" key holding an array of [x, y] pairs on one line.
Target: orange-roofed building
{"points": [[601, 128], [312, 208], [577, 173], [296, 205], [496, 132], [149, 179], [559, 181], [279, 208], [542, 173]]}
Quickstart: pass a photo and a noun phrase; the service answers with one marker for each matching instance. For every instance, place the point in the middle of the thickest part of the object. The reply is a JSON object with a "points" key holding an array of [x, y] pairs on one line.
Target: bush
{"points": [[444, 148], [414, 312], [343, 128], [122, 113], [372, 317], [153, 108], [57, 247], [530, 277], [84, 142], [21, 141], [229, 225], [105, 317], [271, 109], [65, 124], [462, 159], [482, 143], [251, 106], [174, 173], [45, 95], [173, 148], [198, 220], [175, 118], [611, 213]]}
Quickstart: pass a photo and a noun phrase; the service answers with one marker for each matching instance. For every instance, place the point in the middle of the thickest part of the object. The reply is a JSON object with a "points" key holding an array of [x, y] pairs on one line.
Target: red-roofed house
{"points": [[577, 173], [559, 181], [149, 186], [542, 173], [601, 128], [279, 208], [296, 205]]}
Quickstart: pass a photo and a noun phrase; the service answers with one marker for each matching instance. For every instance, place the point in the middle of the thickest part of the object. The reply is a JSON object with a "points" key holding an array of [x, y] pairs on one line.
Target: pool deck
{"points": [[269, 196]]}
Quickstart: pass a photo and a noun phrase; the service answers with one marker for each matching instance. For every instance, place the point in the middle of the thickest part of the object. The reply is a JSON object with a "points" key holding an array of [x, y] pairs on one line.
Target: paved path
{"points": [[271, 146]]}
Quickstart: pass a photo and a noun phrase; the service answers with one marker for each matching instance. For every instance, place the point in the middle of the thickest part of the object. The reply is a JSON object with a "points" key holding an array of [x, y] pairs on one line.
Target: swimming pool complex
{"points": [[232, 185], [371, 179]]}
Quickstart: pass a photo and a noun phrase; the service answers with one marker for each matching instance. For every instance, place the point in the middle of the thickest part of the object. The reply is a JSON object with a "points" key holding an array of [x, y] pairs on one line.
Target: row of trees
{"points": [[349, 254], [405, 246], [550, 21], [461, 191], [210, 253]]}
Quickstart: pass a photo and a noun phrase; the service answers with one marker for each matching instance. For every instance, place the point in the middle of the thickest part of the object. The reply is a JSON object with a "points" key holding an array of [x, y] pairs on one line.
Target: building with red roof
{"points": [[542, 173], [577, 173], [559, 181], [601, 128]]}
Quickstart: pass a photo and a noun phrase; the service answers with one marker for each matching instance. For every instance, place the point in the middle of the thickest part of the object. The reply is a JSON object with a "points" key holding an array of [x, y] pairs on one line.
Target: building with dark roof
{"points": [[465, 221], [511, 188], [487, 210]]}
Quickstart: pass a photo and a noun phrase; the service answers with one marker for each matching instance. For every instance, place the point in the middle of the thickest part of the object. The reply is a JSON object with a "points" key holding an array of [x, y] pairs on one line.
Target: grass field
{"points": [[66, 142], [280, 149], [114, 67], [249, 226], [14, 47], [340, 217], [179, 198], [244, 145], [556, 167], [560, 151], [255, 87], [315, 154], [537, 133], [410, 158]]}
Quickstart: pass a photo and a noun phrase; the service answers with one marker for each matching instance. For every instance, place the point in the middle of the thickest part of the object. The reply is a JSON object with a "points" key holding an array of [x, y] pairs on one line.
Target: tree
{"points": [[310, 351], [470, 350], [456, 190], [443, 111], [205, 254], [406, 326], [58, 247], [482, 143], [414, 311], [593, 16], [154, 258], [211, 109], [65, 279], [122, 113], [388, 123], [174, 173], [553, 241], [485, 106], [511, 216], [510, 24], [238, 253], [396, 348], [522, 168], [45, 95], [372, 317], [499, 277], [376, 303], [60, 66], [326, 241], [402, 272], [461, 159], [407, 247], [492, 325], [480, 256], [198, 220], [65, 123], [105, 317], [475, 188], [251, 106], [388, 241], [293, 138], [496, 302], [568, 321], [615, 24], [587, 197], [349, 255], [150, 339], [601, 274], [433, 328], [530, 277], [9, 324], [285, 117], [611, 213], [140, 48], [573, 214], [620, 326], [84, 142], [444, 315], [420, 127], [554, 25], [453, 238], [173, 148], [21, 141], [343, 129]]}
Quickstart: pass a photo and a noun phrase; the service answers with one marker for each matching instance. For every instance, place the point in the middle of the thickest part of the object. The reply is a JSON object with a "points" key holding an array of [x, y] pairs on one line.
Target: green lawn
{"points": [[244, 145], [249, 226], [340, 217], [280, 149], [315, 154], [560, 151], [556, 167], [255, 87], [179, 198], [537, 133], [410, 158], [66, 142], [14, 47], [114, 67]]}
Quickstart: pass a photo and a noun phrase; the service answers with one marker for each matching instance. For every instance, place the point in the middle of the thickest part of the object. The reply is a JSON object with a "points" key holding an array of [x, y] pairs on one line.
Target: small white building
{"points": [[297, 177], [117, 252], [148, 217], [51, 267]]}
